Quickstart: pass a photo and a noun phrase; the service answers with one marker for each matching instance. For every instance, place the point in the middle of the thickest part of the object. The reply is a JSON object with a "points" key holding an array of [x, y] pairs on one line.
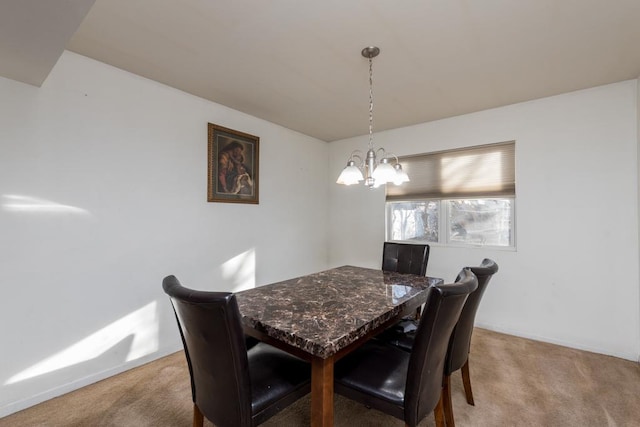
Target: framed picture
{"points": [[233, 166]]}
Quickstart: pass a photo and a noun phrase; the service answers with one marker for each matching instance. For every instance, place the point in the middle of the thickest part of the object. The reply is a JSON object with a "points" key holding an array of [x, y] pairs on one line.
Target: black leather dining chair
{"points": [[408, 385], [232, 386], [406, 258], [460, 345]]}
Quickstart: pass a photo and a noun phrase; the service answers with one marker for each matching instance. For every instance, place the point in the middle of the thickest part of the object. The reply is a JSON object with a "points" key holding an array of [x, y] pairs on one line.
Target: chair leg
{"points": [[446, 401], [466, 381], [438, 413], [198, 419]]}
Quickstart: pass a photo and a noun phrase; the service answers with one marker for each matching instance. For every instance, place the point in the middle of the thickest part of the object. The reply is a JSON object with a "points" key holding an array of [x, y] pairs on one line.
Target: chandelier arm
{"points": [[356, 155], [388, 155]]}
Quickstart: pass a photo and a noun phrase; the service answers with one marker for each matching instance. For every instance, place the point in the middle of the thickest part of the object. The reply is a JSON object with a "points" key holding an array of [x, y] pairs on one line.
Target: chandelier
{"points": [[375, 174]]}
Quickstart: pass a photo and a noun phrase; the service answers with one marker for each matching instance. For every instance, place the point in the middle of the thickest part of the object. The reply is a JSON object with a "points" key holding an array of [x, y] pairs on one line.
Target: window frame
{"points": [[444, 228]]}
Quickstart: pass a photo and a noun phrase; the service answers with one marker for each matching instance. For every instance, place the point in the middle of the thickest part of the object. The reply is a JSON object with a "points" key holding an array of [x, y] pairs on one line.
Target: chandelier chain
{"points": [[373, 174], [370, 102]]}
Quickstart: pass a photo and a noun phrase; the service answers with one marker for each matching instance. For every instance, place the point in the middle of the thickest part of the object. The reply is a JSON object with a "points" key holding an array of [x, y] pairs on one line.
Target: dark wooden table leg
{"points": [[322, 392]]}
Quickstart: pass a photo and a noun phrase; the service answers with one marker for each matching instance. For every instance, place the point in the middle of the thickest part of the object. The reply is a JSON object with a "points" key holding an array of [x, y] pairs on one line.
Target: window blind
{"points": [[480, 171]]}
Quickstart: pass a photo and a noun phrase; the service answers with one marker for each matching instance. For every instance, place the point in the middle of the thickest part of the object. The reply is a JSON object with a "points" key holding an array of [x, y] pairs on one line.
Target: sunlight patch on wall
{"points": [[28, 204], [241, 270], [142, 324]]}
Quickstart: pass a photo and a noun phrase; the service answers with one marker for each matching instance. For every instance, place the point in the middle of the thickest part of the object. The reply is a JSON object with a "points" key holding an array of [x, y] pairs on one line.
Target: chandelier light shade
{"points": [[373, 173], [351, 174]]}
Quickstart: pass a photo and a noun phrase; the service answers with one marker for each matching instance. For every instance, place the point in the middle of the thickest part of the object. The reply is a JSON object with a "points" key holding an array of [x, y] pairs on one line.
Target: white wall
{"points": [[574, 277], [102, 194]]}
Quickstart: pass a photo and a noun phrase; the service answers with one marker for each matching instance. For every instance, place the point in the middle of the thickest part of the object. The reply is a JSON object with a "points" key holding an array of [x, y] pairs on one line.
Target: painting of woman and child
{"points": [[233, 166]]}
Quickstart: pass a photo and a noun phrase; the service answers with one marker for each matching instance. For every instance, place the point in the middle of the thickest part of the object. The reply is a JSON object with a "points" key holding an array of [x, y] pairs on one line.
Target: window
{"points": [[473, 222], [461, 198]]}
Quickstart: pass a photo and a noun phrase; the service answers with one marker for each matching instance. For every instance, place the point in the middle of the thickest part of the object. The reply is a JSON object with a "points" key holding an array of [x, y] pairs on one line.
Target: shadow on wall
{"points": [[131, 337], [140, 327]]}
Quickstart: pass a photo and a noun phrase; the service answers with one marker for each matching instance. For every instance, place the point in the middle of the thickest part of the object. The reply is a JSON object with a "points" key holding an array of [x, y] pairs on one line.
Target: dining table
{"points": [[322, 317]]}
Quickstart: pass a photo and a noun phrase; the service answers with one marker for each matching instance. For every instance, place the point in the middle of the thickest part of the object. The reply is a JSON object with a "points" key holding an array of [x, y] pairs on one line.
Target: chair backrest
{"points": [[424, 375], [213, 340], [461, 336], [405, 258]]}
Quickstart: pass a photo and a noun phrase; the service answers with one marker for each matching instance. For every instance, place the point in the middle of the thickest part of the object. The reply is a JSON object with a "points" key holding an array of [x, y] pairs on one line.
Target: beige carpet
{"points": [[516, 382]]}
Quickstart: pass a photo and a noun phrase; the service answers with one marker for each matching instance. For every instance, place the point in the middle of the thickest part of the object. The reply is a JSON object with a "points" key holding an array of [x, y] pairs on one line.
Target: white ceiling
{"points": [[297, 62], [33, 35]]}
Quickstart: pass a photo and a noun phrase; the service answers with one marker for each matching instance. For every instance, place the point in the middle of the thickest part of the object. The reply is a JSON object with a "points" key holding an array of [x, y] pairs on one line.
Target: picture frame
{"points": [[233, 160]]}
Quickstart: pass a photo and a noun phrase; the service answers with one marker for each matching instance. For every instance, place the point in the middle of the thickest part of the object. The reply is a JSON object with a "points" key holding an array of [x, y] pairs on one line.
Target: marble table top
{"points": [[324, 312]]}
